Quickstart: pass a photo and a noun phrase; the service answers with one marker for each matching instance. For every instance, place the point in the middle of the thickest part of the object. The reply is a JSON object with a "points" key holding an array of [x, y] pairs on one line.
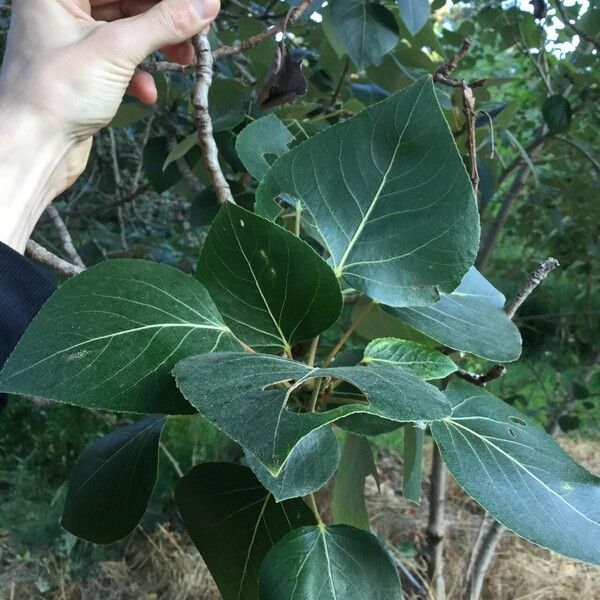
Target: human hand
{"points": [[67, 65]]}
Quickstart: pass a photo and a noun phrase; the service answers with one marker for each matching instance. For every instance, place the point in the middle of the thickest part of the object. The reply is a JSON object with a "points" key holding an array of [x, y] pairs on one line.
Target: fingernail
{"points": [[207, 9]]}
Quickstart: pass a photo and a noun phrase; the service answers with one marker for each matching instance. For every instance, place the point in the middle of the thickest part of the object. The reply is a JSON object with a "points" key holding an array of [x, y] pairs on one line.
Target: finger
{"points": [[143, 87], [111, 10], [180, 53], [168, 23]]}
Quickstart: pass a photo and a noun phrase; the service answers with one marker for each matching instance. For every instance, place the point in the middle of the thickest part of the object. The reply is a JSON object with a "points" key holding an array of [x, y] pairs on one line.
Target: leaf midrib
{"points": [[339, 270]]}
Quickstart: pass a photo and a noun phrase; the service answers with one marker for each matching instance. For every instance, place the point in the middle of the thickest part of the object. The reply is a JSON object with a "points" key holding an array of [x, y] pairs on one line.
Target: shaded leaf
{"points": [[518, 473], [156, 153], [368, 31], [396, 210], [356, 465], [239, 394], [272, 288], [112, 482], [310, 466], [414, 14], [109, 338], [470, 319], [329, 563], [234, 522], [267, 135], [557, 113], [181, 149], [422, 361]]}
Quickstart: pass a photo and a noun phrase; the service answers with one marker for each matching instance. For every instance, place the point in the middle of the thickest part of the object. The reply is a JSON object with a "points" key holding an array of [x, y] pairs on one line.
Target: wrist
{"points": [[33, 171]]}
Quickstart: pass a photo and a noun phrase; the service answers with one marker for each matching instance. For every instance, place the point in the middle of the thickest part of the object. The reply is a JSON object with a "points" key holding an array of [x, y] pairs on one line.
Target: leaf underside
{"points": [[518, 473]]}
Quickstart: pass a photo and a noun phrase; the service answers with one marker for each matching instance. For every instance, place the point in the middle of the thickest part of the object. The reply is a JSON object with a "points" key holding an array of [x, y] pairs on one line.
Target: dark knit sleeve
{"points": [[24, 288]]}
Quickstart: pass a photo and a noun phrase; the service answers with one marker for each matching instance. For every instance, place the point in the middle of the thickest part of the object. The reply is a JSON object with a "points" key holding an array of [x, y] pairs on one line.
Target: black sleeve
{"points": [[24, 288]]}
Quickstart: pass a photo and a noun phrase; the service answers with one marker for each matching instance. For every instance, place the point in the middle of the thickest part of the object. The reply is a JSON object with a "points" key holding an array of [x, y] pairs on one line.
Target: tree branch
{"points": [[534, 279], [65, 237], [574, 28], [468, 101], [257, 39], [436, 526], [210, 152], [44, 257]]}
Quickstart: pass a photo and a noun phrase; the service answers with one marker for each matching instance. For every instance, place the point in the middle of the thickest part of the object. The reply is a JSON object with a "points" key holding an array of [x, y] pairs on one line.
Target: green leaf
{"points": [[310, 466], [131, 111], [414, 14], [112, 482], [238, 393], [272, 288], [265, 136], [523, 153], [181, 149], [420, 360], [518, 473], [368, 31], [226, 102], [391, 197], [156, 153], [234, 522], [109, 338], [557, 113], [329, 563], [356, 465], [412, 475], [470, 319]]}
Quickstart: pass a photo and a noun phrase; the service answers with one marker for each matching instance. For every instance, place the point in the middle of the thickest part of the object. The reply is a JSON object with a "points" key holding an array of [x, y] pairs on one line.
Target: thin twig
{"points": [[171, 459], [357, 321], [186, 172], [210, 152], [44, 257], [574, 28], [340, 84], [257, 39], [65, 237], [92, 210], [542, 271], [442, 75]]}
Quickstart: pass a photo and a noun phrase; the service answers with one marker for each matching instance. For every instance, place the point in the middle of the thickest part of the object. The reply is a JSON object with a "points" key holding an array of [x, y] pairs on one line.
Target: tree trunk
{"points": [[436, 527]]}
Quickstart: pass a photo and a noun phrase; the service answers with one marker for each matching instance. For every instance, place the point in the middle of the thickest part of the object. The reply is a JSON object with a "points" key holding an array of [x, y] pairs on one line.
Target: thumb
{"points": [[167, 23]]}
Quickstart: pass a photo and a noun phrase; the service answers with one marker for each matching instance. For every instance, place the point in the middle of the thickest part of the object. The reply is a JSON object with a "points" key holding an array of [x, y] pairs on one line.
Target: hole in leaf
{"points": [[511, 432], [518, 421]]}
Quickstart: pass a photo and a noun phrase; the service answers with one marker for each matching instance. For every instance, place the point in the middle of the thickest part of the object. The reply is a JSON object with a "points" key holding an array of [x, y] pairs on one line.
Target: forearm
{"points": [[32, 173]]}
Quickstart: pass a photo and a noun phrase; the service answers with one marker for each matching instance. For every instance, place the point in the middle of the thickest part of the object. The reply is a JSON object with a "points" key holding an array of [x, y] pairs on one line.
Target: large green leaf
{"points": [[263, 137], [356, 465], [367, 31], [329, 563], [390, 196], [238, 394], [470, 319], [518, 473], [420, 360], [109, 338], [414, 14], [310, 466], [234, 522], [271, 287], [112, 482]]}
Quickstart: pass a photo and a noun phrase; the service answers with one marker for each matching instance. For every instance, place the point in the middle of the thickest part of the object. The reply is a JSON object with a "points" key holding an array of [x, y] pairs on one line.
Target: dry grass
{"points": [[166, 566]]}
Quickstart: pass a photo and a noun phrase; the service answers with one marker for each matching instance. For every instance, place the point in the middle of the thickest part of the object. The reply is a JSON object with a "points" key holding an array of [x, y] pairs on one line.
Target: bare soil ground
{"points": [[166, 566]]}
